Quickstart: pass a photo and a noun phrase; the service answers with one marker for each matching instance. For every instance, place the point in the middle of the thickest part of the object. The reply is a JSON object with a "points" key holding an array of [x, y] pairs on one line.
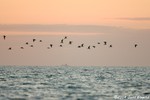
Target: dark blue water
{"points": [[74, 83]]}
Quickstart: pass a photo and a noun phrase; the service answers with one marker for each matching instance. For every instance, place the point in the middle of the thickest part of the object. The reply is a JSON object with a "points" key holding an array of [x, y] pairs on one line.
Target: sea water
{"points": [[74, 83]]}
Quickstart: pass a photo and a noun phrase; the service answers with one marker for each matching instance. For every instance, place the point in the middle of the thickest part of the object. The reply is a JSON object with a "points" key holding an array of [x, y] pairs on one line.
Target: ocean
{"points": [[74, 83]]}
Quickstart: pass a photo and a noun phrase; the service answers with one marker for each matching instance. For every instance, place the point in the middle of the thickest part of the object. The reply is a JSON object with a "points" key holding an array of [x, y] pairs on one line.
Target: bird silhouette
{"points": [[88, 47], [9, 48], [105, 43], [4, 36], [27, 43], [65, 37], [60, 45], [82, 45], [79, 46], [34, 40], [94, 46], [51, 45], [98, 43], [110, 46], [70, 42], [31, 45], [40, 41], [135, 45], [22, 47], [62, 41]]}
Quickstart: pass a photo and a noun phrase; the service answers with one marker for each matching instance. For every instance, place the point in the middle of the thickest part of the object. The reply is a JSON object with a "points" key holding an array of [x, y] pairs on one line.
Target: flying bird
{"points": [[70, 42], [82, 45], [110, 46], [105, 43], [98, 43], [94, 46], [62, 41], [34, 40], [135, 45], [22, 47], [51, 45], [31, 45], [60, 45], [88, 47], [79, 46], [27, 43], [4, 36], [9, 48], [40, 41], [65, 37]]}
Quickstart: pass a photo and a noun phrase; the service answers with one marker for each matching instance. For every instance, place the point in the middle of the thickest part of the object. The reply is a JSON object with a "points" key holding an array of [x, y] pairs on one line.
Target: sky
{"points": [[120, 22]]}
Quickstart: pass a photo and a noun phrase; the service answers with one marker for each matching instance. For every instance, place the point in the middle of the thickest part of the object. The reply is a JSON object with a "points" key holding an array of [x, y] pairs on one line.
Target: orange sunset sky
{"points": [[120, 22], [97, 12]]}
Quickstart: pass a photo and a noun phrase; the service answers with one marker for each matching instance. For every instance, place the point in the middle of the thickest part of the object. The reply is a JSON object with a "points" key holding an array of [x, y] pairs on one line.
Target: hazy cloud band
{"points": [[69, 28], [134, 19]]}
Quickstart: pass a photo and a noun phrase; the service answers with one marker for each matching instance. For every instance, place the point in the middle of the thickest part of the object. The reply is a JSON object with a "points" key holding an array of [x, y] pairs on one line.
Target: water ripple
{"points": [[75, 83]]}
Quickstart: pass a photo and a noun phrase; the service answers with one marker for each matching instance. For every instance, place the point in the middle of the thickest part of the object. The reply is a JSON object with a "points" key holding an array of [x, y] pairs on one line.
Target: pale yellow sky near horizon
{"points": [[95, 12]]}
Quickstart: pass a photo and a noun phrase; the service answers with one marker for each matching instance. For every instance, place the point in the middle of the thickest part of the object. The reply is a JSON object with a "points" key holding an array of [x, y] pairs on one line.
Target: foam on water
{"points": [[75, 83]]}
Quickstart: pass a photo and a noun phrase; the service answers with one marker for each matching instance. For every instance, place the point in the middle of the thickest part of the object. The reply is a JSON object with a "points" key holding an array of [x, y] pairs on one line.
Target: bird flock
{"points": [[62, 42]]}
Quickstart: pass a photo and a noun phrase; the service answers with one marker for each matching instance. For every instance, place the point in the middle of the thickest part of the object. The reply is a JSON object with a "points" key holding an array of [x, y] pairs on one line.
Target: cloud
{"points": [[138, 18], [68, 28], [58, 28]]}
